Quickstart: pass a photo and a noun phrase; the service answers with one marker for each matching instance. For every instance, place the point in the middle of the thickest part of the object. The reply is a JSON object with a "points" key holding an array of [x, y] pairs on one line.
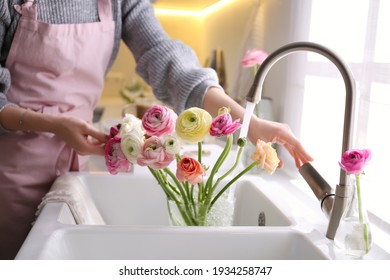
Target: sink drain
{"points": [[261, 219]]}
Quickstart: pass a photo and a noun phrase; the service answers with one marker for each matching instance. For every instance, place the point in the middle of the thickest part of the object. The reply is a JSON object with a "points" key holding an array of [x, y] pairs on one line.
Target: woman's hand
{"points": [[267, 131], [81, 136], [279, 133]]}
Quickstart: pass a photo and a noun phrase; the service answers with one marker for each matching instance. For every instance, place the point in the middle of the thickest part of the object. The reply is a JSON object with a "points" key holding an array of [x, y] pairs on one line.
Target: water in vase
{"points": [[350, 238]]}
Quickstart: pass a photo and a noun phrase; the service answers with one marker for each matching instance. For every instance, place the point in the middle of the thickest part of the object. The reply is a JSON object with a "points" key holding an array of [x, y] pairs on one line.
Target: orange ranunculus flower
{"points": [[266, 156], [190, 170]]}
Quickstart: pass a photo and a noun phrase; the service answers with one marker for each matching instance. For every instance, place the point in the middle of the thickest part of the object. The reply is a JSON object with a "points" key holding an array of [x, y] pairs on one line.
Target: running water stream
{"points": [[250, 106]]}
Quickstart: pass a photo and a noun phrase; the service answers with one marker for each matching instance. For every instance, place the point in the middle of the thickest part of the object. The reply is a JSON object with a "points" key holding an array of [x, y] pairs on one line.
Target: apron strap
{"points": [[27, 9], [105, 10]]}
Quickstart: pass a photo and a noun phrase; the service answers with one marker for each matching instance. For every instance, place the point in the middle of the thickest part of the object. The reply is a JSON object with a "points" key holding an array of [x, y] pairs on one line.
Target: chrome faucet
{"points": [[332, 202]]}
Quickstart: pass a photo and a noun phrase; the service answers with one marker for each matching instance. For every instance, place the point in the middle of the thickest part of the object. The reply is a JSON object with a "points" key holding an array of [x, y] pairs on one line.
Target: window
{"points": [[358, 32]]}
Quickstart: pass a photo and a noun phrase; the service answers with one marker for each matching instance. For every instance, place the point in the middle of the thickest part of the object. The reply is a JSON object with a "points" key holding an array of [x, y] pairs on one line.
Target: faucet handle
{"points": [[319, 186]]}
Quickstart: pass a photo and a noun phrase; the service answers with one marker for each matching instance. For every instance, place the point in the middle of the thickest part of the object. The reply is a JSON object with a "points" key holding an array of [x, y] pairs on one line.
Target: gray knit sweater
{"points": [[171, 68]]}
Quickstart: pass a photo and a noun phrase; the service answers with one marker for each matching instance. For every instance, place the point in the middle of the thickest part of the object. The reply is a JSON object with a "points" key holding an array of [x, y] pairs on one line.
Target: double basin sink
{"points": [[126, 217], [136, 225]]}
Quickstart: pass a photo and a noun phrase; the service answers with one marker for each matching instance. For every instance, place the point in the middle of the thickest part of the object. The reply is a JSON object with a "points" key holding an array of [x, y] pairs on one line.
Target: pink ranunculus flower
{"points": [[253, 57], [115, 160], [190, 170], [153, 154], [354, 161], [224, 125], [114, 130], [159, 120]]}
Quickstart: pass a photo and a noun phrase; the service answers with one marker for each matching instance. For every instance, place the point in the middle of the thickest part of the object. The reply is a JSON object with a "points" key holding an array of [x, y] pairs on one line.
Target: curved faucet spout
{"points": [[332, 204]]}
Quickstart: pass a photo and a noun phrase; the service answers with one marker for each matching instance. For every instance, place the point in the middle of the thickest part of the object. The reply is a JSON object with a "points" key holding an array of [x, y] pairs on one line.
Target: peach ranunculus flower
{"points": [[193, 124], [253, 57], [159, 120], [266, 156], [190, 170]]}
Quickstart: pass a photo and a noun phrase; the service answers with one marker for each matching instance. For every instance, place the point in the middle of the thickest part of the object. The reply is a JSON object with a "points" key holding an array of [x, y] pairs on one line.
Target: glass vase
{"points": [[199, 214], [353, 235]]}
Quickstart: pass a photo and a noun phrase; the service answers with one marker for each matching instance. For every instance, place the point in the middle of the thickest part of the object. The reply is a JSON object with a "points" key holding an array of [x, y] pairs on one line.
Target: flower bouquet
{"points": [[156, 141]]}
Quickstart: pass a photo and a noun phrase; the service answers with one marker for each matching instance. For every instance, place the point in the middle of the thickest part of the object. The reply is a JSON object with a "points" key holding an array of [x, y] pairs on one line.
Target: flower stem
{"points": [[170, 195], [184, 191], [200, 152], [183, 213], [200, 184], [254, 70], [365, 229], [162, 183], [238, 176], [217, 165], [231, 169], [178, 184]]}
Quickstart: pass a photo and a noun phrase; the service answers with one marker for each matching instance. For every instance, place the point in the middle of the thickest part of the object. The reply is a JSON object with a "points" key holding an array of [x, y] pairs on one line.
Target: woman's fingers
{"points": [[299, 154], [97, 135], [95, 141]]}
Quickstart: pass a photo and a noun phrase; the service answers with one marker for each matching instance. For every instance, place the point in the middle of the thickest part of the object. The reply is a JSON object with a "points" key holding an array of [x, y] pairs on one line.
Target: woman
{"points": [[54, 56]]}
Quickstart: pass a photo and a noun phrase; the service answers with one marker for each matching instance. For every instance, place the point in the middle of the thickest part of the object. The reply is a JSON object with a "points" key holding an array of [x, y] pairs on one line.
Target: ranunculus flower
{"points": [[253, 58], [153, 154], [172, 144], [115, 159], [190, 170], [353, 161], [159, 120], [131, 145], [114, 130], [131, 123], [156, 144], [193, 124], [266, 156], [224, 125]]}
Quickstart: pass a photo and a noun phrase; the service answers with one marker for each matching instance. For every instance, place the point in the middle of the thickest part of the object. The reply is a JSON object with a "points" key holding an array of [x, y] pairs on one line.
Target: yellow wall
{"points": [[188, 29], [227, 29], [224, 28]]}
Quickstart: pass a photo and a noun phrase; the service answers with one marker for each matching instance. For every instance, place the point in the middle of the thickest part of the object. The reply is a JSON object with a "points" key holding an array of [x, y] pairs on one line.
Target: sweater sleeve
{"points": [[5, 78], [169, 66]]}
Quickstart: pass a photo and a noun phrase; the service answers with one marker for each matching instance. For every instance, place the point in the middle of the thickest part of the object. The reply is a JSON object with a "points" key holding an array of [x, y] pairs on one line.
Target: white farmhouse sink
{"points": [[134, 209], [129, 199], [178, 243], [136, 226]]}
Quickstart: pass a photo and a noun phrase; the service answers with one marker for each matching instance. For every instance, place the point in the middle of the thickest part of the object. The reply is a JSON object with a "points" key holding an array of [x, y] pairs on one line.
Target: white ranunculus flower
{"points": [[172, 144], [131, 145], [130, 123]]}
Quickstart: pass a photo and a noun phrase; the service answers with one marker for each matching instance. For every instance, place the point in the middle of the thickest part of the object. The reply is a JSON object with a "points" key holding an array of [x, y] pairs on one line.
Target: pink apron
{"points": [[55, 69]]}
